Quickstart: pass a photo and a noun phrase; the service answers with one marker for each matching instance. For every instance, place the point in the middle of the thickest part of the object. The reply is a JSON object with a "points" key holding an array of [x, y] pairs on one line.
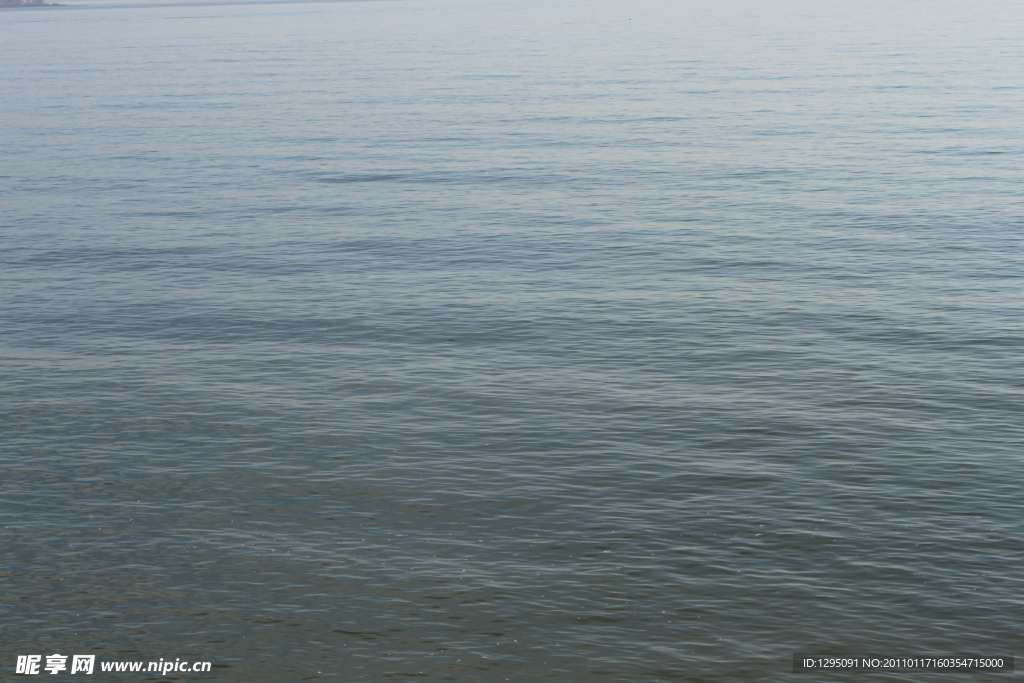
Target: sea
{"points": [[520, 340]]}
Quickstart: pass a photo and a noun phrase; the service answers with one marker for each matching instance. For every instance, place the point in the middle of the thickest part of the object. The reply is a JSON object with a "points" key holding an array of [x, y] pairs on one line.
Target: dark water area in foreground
{"points": [[452, 341]]}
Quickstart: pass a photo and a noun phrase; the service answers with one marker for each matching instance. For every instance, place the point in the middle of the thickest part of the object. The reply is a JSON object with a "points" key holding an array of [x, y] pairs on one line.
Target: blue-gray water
{"points": [[523, 341]]}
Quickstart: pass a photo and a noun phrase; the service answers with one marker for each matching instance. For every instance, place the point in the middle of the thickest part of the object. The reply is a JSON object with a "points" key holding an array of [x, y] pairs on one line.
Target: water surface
{"points": [[564, 341]]}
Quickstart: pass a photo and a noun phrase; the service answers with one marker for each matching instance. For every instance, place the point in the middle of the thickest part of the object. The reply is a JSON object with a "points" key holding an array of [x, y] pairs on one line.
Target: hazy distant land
{"points": [[29, 3]]}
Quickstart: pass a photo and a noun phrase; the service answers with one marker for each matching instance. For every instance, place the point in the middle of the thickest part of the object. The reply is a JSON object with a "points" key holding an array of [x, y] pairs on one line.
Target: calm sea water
{"points": [[522, 341]]}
